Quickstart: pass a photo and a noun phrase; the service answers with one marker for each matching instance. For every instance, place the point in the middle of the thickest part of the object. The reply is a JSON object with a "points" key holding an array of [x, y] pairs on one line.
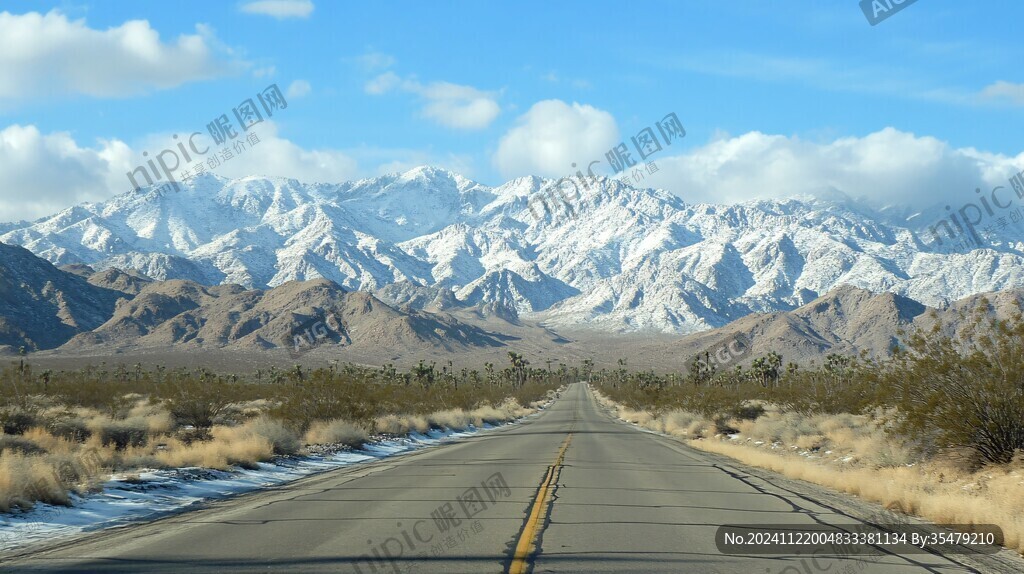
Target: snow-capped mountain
{"points": [[614, 257]]}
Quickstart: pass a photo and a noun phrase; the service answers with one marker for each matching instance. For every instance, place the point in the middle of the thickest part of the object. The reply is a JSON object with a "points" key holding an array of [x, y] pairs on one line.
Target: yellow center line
{"points": [[526, 540]]}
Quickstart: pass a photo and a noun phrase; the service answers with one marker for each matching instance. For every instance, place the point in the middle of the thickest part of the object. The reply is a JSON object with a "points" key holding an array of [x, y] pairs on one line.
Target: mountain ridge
{"points": [[84, 313], [620, 259]]}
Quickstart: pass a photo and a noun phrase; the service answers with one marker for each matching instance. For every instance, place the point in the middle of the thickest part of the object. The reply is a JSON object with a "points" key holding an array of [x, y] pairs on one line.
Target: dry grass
{"points": [[242, 445], [49, 477], [854, 454], [27, 479], [70, 430], [401, 424], [455, 419], [75, 448], [336, 432], [943, 495]]}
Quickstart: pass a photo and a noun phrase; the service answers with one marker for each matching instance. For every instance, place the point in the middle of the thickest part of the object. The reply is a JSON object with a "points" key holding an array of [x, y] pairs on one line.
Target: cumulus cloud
{"points": [[280, 9], [298, 89], [551, 136], [280, 157], [49, 55], [886, 167], [41, 174], [451, 105], [460, 107]]}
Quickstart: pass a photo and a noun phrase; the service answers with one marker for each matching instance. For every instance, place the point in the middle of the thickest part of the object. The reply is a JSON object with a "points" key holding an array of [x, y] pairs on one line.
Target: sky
{"points": [[777, 98]]}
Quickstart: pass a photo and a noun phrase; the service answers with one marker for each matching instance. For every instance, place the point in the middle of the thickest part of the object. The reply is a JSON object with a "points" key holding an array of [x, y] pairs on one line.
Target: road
{"points": [[570, 490]]}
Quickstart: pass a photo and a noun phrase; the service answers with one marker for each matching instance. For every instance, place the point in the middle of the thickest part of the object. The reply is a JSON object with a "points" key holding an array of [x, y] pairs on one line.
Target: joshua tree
{"points": [[588, 368], [424, 374], [518, 367]]}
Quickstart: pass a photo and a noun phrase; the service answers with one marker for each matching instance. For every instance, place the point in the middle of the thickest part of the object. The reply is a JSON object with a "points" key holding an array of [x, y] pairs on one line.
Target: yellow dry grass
{"points": [[336, 432], [56, 463]]}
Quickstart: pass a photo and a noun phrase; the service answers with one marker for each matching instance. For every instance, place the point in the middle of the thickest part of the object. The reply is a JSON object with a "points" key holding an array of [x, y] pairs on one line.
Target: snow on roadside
{"points": [[149, 494]]}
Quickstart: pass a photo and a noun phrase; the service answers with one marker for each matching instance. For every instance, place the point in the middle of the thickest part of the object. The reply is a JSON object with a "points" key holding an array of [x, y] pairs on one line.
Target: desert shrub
{"points": [[724, 424], [78, 469], [17, 419], [239, 412], [323, 398], [198, 403], [25, 480], [748, 411], [281, 438], [193, 434], [336, 432], [70, 428], [972, 396], [400, 424], [227, 446], [152, 415], [19, 444], [122, 434], [684, 423], [450, 418], [508, 409]]}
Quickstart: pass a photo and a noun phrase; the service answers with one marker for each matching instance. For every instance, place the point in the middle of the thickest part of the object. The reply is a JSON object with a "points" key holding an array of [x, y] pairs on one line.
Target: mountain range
{"points": [[76, 311], [429, 260]]}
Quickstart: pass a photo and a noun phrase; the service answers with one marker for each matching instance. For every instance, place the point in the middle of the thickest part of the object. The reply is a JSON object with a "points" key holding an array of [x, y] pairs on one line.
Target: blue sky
{"points": [[777, 98]]}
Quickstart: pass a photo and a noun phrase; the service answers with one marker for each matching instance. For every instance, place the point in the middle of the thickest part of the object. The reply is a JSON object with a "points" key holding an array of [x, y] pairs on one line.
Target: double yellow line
{"points": [[540, 503]]}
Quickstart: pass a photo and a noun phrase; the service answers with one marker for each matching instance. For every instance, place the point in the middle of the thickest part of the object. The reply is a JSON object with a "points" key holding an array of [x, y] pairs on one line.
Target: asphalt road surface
{"points": [[570, 490]]}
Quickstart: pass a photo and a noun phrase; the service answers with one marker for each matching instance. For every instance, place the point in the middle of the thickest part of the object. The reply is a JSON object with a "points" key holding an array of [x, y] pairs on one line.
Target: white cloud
{"points": [[383, 84], [280, 9], [272, 156], [49, 55], [886, 167], [42, 174], [280, 157], [460, 107], [1005, 91], [451, 105], [298, 89], [551, 136]]}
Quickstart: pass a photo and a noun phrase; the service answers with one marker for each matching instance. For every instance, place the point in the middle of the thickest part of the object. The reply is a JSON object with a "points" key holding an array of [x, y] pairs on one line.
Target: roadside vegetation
{"points": [[68, 431], [938, 431]]}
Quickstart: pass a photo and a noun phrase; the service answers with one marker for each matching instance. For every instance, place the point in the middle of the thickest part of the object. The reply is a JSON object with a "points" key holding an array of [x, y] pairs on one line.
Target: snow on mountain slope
{"points": [[612, 257]]}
